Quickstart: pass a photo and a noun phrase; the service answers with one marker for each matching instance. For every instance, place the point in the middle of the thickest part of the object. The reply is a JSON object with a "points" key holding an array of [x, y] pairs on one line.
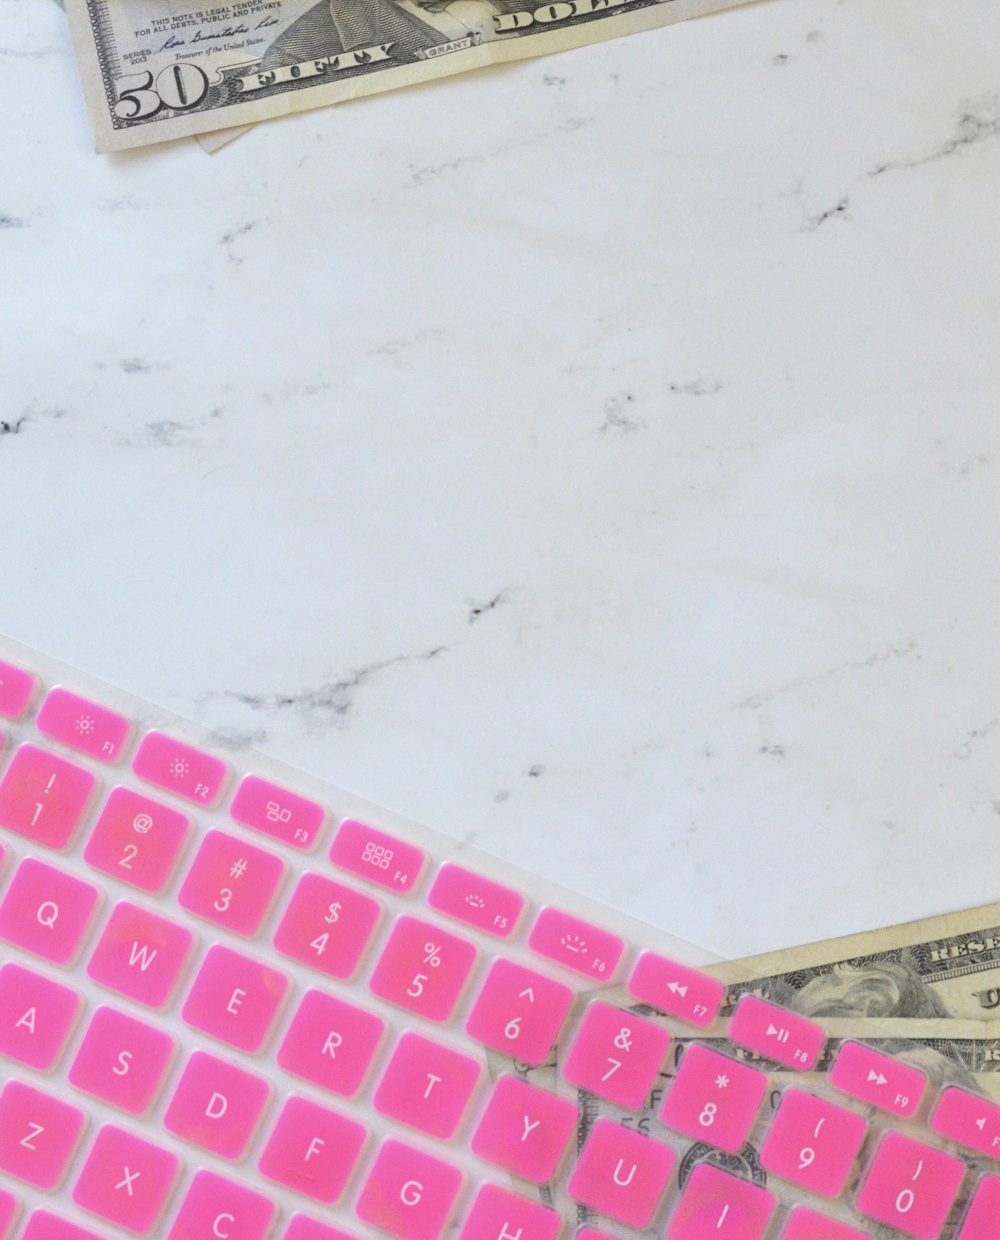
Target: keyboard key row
{"points": [[622, 1175], [137, 840]]}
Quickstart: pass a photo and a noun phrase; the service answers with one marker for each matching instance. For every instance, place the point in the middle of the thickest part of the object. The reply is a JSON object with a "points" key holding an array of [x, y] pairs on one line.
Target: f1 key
{"points": [[776, 1033]]}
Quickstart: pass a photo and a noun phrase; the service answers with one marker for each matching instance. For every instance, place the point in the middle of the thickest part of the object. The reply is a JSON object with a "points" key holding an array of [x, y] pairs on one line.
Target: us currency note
{"points": [[158, 69], [945, 966], [951, 1052]]}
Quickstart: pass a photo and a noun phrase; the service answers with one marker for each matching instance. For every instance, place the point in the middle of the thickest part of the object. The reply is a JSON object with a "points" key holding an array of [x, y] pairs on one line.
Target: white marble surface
{"points": [[598, 457]]}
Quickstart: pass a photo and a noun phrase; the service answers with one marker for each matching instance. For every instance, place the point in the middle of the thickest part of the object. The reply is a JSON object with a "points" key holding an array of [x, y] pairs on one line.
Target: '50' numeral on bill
{"points": [[178, 87]]}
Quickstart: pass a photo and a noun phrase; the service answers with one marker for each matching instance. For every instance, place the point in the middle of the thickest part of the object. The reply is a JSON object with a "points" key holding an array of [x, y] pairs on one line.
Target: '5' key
{"points": [[423, 968]]}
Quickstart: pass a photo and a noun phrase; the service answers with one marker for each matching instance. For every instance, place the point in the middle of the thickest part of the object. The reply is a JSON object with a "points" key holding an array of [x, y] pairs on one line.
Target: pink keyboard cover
{"points": [[238, 1004]]}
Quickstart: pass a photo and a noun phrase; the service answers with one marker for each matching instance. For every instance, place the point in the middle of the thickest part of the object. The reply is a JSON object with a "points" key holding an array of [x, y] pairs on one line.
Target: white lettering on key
{"points": [[432, 1080], [333, 1043], [124, 1059], [529, 1127], [618, 1174], [27, 1021], [217, 1231], [48, 913], [722, 1216], [36, 1131], [411, 1192], [509, 1235], [218, 1105], [315, 1146], [235, 999], [130, 1176], [141, 954]]}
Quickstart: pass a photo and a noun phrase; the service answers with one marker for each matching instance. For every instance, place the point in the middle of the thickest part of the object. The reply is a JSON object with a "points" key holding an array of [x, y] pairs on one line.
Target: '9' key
{"points": [[423, 968]]}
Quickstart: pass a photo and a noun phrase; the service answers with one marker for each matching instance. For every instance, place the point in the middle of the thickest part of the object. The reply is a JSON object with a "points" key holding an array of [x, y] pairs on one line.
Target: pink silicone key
{"points": [[122, 1060], [327, 926], [44, 797], [140, 955], [576, 944], [616, 1055], [879, 1079], [519, 1012], [496, 1213], [776, 1033], [813, 1143], [216, 1105], [219, 1209], [408, 1193], [235, 998], [426, 1085], [231, 883], [38, 1134], [136, 840], [45, 1226], [423, 968], [714, 1099], [188, 772], [621, 1174], [277, 812], [301, 1227], [126, 1180], [477, 901], [36, 1016], [980, 1223], [673, 988], [17, 688], [910, 1186], [331, 1043], [968, 1119], [806, 1224], [8, 1211], [717, 1204], [525, 1130], [46, 911], [83, 725], [312, 1150], [376, 856]]}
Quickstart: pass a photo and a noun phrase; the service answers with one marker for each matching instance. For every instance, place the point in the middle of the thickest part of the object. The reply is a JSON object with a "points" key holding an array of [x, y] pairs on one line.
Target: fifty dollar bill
{"points": [[158, 69]]}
